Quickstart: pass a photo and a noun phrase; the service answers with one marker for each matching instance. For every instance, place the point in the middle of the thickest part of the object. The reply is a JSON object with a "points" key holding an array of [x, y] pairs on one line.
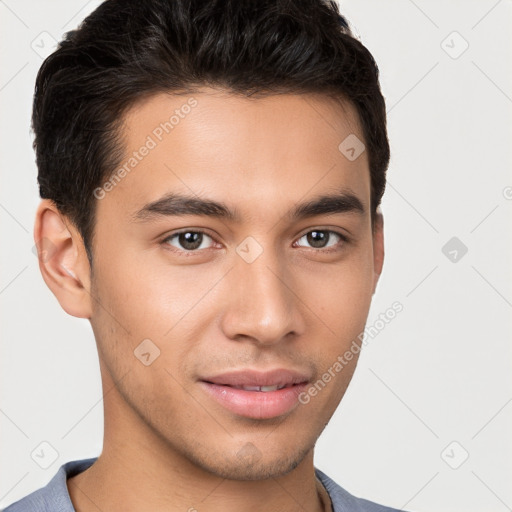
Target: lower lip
{"points": [[255, 404]]}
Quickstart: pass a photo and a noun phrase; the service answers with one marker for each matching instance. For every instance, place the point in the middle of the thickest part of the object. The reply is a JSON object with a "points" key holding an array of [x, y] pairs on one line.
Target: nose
{"points": [[262, 304]]}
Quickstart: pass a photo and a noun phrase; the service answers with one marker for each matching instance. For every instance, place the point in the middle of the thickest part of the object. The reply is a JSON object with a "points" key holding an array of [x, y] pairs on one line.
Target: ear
{"points": [[378, 247], [63, 260]]}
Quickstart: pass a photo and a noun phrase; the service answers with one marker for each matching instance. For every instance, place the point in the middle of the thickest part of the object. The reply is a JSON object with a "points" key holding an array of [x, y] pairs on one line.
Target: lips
{"points": [[256, 394]]}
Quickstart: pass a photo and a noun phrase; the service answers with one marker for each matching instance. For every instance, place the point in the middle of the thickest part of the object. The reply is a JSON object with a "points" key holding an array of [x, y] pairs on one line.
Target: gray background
{"points": [[433, 387]]}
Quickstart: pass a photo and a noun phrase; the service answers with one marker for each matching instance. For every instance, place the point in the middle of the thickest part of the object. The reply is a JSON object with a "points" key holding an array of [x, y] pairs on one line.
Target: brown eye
{"points": [[321, 238], [188, 240]]}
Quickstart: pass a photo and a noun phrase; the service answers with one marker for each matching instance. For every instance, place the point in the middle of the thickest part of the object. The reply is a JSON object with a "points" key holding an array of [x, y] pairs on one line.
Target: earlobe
{"points": [[63, 260], [378, 247]]}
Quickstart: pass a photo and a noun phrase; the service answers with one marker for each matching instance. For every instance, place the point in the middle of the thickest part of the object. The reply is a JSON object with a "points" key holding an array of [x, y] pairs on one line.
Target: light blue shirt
{"points": [[54, 497]]}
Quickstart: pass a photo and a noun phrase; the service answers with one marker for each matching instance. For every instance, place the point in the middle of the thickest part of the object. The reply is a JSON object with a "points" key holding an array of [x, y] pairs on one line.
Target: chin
{"points": [[248, 463]]}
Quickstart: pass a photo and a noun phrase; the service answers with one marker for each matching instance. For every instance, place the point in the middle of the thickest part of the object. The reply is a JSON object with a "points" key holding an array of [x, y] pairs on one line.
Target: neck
{"points": [[139, 471]]}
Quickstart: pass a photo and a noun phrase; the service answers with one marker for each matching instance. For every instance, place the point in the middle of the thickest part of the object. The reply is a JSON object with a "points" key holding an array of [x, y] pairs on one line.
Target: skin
{"points": [[167, 444]]}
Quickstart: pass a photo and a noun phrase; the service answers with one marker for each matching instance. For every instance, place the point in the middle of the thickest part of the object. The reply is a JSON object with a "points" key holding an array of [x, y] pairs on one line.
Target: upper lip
{"points": [[248, 377]]}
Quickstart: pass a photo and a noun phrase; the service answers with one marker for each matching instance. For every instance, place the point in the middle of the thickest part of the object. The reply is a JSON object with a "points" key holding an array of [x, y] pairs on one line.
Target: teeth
{"points": [[260, 388], [250, 388], [269, 388]]}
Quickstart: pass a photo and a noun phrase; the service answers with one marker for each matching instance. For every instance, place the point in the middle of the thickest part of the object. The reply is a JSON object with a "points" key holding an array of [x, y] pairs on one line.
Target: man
{"points": [[210, 175]]}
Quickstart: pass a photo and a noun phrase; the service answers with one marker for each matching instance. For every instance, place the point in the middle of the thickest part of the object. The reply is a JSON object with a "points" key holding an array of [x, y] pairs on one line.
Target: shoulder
{"points": [[342, 500], [54, 496]]}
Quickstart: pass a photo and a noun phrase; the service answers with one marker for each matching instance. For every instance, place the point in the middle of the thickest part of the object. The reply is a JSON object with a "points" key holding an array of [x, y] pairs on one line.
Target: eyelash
{"points": [[186, 253]]}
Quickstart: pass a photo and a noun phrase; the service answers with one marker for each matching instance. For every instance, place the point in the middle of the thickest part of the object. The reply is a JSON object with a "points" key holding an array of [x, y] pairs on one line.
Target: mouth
{"points": [[257, 395]]}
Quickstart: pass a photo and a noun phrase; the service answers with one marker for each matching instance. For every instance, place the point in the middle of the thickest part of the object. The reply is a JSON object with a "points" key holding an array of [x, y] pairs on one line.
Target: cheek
{"points": [[340, 294], [143, 297], [148, 294]]}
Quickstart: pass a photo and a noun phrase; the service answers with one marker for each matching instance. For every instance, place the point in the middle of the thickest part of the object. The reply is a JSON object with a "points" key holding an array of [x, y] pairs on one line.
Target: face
{"points": [[197, 307]]}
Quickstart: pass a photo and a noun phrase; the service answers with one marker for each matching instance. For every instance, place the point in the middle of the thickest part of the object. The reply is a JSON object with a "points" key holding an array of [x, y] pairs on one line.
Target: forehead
{"points": [[217, 113], [245, 151]]}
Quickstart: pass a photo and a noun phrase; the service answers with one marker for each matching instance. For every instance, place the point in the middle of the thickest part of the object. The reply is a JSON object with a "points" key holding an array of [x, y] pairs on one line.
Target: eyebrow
{"points": [[174, 204]]}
